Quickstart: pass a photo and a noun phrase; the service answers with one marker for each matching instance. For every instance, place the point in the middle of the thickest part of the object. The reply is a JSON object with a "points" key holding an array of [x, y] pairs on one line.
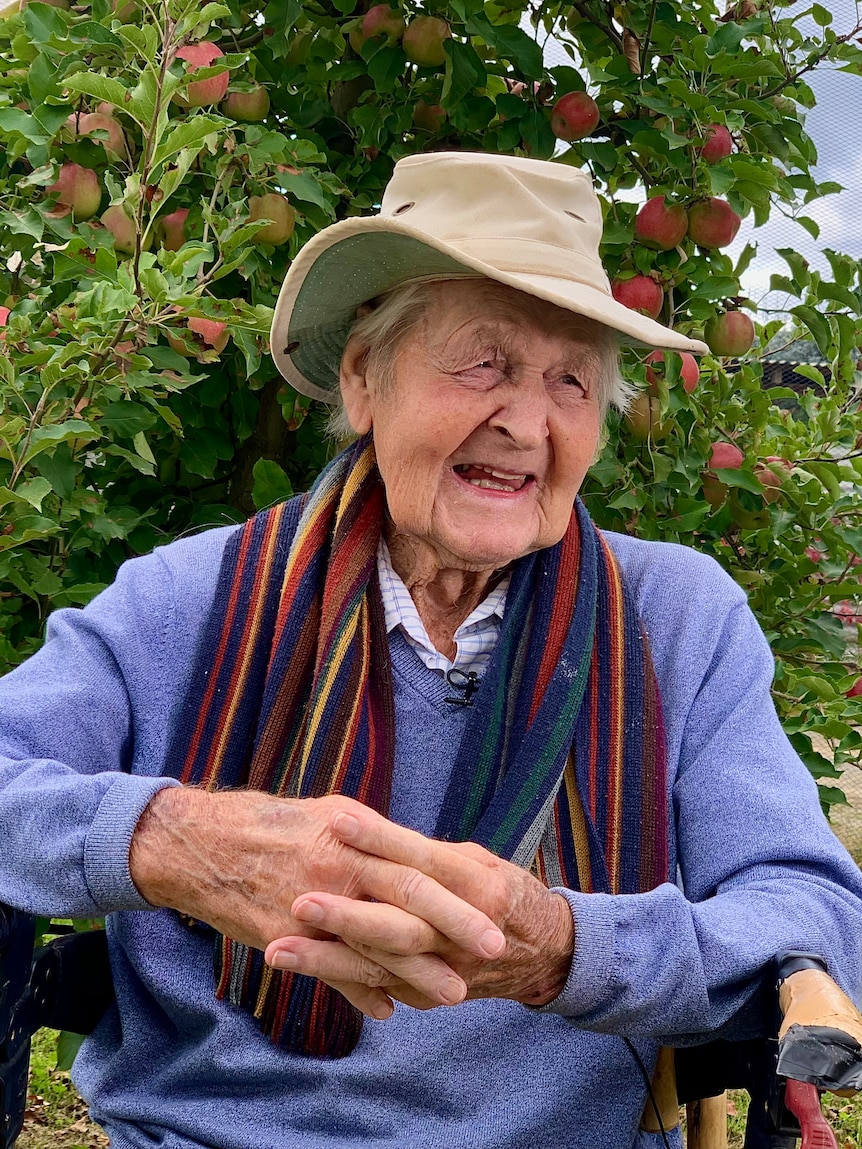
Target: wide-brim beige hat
{"points": [[532, 224]]}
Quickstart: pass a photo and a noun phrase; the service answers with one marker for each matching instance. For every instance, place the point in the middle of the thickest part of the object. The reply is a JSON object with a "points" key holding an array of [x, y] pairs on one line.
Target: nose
{"points": [[522, 414]]}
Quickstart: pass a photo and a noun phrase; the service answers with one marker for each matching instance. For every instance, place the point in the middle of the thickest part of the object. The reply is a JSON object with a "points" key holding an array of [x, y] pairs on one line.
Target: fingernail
{"points": [[492, 943], [345, 825], [309, 912], [283, 959], [453, 990], [381, 1012]]}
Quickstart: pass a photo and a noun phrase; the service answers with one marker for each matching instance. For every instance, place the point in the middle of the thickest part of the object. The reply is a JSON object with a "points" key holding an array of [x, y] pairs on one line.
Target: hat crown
{"points": [[548, 218]]}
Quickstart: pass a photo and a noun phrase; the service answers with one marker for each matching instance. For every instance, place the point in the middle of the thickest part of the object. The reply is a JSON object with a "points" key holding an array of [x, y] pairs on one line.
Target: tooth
{"points": [[505, 475]]}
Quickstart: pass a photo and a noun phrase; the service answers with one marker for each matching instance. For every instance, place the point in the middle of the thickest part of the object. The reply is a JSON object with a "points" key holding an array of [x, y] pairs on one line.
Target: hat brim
{"points": [[355, 260]]}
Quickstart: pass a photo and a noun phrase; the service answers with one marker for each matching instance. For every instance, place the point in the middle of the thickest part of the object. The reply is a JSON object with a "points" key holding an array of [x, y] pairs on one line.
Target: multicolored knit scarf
{"points": [[562, 764]]}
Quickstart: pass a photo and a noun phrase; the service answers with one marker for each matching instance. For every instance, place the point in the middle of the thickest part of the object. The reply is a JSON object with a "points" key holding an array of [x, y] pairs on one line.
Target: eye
{"points": [[573, 381]]}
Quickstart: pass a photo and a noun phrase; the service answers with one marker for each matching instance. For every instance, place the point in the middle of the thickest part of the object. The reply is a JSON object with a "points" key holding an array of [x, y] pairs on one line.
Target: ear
{"points": [[357, 392]]}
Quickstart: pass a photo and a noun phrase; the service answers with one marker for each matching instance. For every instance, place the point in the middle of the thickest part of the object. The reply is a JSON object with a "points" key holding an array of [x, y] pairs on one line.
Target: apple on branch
{"points": [[200, 92], [713, 223], [381, 20], [279, 211], [171, 229], [640, 293], [729, 334], [428, 117], [689, 371], [423, 41], [717, 143], [88, 123], [574, 116], [120, 223], [643, 419], [661, 225], [247, 107], [77, 190]]}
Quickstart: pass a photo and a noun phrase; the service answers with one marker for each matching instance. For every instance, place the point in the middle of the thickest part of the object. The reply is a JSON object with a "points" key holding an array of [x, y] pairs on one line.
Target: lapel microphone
{"points": [[465, 681]]}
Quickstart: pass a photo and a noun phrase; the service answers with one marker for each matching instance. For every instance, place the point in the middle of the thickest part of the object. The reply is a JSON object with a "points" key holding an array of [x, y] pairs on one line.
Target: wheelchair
{"points": [[813, 1043]]}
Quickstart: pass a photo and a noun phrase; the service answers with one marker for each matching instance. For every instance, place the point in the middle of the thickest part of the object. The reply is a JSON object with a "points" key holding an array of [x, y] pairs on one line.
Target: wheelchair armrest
{"points": [[820, 1036]]}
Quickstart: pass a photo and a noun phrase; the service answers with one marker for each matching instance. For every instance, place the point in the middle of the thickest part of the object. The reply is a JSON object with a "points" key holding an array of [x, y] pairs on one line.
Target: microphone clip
{"points": [[465, 681]]}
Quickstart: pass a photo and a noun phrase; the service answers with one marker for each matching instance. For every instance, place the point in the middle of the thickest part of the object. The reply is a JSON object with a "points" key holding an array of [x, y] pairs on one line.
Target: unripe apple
{"points": [[661, 225], [717, 145], [429, 117], [424, 39], [640, 293], [381, 20], [85, 125], [714, 491], [574, 116], [275, 207], [713, 223], [770, 480], [171, 229], [725, 457], [200, 92], [643, 419], [248, 107], [122, 227], [77, 190], [689, 372], [729, 334]]}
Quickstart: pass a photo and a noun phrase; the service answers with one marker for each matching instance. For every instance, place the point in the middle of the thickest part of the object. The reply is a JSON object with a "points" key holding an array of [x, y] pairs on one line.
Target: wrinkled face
{"points": [[487, 425]]}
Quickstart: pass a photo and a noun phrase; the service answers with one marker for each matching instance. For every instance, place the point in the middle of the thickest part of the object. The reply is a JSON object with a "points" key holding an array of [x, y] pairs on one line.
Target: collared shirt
{"points": [[475, 638]]}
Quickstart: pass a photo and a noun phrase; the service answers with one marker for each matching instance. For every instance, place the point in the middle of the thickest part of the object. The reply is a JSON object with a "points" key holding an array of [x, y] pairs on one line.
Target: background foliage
{"points": [[112, 440]]}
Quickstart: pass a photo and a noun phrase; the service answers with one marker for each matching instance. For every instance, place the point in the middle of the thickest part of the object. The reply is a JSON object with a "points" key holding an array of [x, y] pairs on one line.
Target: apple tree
{"points": [[162, 161]]}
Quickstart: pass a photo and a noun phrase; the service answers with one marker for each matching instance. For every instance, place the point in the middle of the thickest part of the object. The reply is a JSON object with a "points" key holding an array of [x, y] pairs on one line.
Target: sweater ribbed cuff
{"points": [[106, 850], [592, 977]]}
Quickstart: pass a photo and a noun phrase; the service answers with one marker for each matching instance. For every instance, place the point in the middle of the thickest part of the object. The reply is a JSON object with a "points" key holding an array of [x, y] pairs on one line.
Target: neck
{"points": [[444, 594]]}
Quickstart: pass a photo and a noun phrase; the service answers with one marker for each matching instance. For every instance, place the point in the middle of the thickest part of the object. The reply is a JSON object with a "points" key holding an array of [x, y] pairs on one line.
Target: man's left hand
{"points": [[400, 955]]}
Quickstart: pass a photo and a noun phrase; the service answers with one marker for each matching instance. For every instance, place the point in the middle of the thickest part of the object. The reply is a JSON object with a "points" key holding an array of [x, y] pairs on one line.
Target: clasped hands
{"points": [[458, 923]]}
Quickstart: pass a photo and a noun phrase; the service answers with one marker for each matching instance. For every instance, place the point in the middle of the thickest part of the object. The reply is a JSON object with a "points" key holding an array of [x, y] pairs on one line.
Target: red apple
{"points": [[640, 293], [714, 491], [248, 107], [770, 480], [274, 207], [171, 229], [381, 20], [725, 456], [713, 223], [729, 334], [122, 227], [212, 334], [200, 92], [424, 39], [77, 191], [4, 316], [85, 125], [718, 143], [643, 419], [813, 553], [855, 690], [429, 117], [689, 372], [574, 116], [661, 225]]}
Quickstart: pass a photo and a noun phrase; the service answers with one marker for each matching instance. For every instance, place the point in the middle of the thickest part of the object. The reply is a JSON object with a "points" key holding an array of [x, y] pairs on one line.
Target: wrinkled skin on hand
{"points": [[239, 860], [376, 952]]}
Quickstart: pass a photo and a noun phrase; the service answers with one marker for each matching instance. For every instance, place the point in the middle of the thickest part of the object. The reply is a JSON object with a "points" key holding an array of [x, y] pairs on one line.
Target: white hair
{"points": [[396, 314]]}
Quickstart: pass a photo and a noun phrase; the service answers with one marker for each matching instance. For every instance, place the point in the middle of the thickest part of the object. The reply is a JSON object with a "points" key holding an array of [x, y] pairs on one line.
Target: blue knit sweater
{"points": [[83, 737]]}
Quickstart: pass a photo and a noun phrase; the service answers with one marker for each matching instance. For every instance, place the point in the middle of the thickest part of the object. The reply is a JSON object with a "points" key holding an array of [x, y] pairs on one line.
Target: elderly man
{"points": [[470, 805]]}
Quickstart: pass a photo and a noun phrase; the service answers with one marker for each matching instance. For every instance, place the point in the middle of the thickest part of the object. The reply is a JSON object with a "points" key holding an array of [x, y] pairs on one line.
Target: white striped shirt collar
{"points": [[475, 638]]}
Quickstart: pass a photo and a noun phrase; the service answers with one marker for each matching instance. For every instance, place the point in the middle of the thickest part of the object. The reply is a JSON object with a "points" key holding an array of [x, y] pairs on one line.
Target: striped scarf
{"points": [[562, 764]]}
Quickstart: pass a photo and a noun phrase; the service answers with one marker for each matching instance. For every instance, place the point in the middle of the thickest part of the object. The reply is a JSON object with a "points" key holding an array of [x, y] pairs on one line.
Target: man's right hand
{"points": [[239, 859]]}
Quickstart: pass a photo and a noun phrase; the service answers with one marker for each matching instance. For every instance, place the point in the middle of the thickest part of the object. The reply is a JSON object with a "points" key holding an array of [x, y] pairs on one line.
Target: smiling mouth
{"points": [[491, 478]]}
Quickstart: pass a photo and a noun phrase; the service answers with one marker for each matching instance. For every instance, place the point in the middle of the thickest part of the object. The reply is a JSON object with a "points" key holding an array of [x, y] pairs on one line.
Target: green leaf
{"points": [[44, 22], [34, 491], [464, 71], [271, 484], [17, 120], [385, 67], [304, 186], [68, 1045], [511, 43], [127, 418], [59, 469], [733, 477], [192, 133], [44, 438], [100, 88], [821, 15], [817, 324], [143, 447], [810, 225]]}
